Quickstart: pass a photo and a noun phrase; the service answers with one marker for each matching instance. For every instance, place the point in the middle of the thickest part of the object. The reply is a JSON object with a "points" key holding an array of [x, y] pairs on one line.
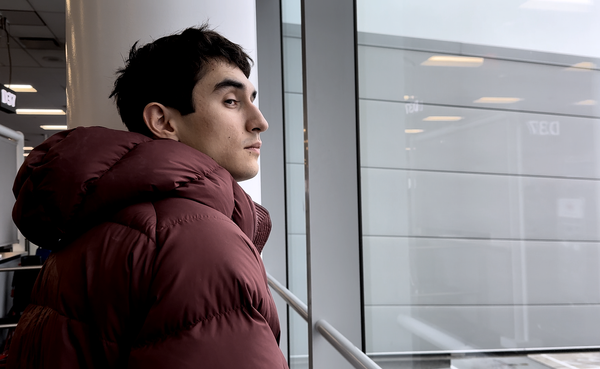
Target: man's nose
{"points": [[257, 121]]}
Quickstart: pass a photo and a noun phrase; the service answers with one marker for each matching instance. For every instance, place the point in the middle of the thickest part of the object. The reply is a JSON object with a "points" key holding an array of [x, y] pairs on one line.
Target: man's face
{"points": [[225, 125]]}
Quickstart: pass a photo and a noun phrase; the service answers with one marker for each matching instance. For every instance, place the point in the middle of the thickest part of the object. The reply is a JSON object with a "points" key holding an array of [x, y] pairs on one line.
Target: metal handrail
{"points": [[356, 357], [14, 269], [289, 297]]}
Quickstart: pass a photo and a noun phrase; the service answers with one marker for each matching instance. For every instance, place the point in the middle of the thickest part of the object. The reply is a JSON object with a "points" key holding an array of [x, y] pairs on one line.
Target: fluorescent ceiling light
{"points": [[441, 118], [41, 112], [413, 130], [453, 61], [22, 88], [586, 102], [25, 153], [582, 67], [54, 128], [497, 100], [558, 5], [28, 148]]}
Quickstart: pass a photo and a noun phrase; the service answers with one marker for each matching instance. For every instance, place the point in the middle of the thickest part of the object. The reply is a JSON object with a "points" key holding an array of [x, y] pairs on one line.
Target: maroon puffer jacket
{"points": [[156, 258]]}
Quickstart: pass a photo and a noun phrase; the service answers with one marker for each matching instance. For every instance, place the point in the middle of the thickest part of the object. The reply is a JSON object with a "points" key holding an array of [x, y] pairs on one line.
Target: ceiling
{"points": [[37, 55]]}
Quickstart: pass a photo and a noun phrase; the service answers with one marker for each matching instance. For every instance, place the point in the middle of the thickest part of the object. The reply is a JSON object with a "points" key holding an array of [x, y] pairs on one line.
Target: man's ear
{"points": [[159, 118]]}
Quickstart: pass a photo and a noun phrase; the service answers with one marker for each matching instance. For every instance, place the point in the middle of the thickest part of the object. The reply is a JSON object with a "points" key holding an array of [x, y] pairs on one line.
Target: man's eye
{"points": [[231, 102]]}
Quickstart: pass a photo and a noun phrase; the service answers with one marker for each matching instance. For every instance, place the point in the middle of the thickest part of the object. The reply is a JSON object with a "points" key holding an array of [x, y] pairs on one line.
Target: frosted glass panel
{"points": [[434, 271], [478, 140], [465, 328], [480, 175]]}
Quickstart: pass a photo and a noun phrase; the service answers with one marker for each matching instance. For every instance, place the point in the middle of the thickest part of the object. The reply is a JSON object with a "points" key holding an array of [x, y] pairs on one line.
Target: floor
{"points": [[584, 360]]}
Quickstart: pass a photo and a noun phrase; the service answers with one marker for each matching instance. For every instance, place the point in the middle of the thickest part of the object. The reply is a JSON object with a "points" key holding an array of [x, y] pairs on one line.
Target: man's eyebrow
{"points": [[232, 83]]}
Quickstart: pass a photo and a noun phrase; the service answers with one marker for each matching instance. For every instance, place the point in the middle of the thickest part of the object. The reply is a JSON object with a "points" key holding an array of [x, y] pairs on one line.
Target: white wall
{"points": [[100, 34]]}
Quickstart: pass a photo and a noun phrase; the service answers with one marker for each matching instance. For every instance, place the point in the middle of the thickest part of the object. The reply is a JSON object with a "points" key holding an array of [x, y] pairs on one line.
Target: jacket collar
{"points": [[78, 178]]}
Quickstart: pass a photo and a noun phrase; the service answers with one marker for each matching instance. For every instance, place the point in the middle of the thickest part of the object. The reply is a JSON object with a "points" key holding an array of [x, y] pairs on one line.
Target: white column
{"points": [[101, 32], [331, 172], [273, 152]]}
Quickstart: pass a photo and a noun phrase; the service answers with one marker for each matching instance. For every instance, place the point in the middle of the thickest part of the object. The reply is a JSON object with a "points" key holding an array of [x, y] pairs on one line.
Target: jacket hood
{"points": [[79, 178]]}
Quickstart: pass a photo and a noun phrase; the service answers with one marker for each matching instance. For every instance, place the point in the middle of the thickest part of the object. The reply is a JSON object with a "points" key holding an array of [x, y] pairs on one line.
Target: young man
{"points": [[155, 257]]}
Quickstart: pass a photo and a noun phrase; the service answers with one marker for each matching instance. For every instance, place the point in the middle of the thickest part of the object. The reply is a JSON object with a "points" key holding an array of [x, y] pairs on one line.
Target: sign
{"points": [[571, 208], [9, 100], [413, 107], [544, 128]]}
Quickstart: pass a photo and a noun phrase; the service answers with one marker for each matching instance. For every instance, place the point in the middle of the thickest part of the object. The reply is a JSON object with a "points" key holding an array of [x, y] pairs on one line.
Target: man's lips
{"points": [[255, 147]]}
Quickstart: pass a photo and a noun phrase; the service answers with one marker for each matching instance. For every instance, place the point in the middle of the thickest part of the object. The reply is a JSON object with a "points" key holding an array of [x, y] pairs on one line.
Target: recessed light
{"points": [[54, 128], [586, 102], [25, 154], [22, 88], [581, 67], [28, 148], [41, 112], [453, 61], [413, 131], [442, 118], [497, 100]]}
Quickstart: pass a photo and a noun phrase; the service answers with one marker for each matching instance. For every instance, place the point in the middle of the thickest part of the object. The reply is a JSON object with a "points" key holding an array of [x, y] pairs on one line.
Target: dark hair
{"points": [[166, 71]]}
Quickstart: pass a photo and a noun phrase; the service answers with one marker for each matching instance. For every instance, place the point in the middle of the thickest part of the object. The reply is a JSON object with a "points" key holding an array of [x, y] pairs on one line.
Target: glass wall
{"points": [[294, 143], [479, 137]]}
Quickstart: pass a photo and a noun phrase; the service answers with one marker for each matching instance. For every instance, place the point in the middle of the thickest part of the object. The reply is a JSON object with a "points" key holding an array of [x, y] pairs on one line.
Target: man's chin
{"points": [[241, 177]]}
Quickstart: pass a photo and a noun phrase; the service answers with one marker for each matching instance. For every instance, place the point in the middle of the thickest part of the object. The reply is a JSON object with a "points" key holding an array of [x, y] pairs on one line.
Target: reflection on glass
{"points": [[480, 178], [453, 61], [497, 100], [581, 67]]}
